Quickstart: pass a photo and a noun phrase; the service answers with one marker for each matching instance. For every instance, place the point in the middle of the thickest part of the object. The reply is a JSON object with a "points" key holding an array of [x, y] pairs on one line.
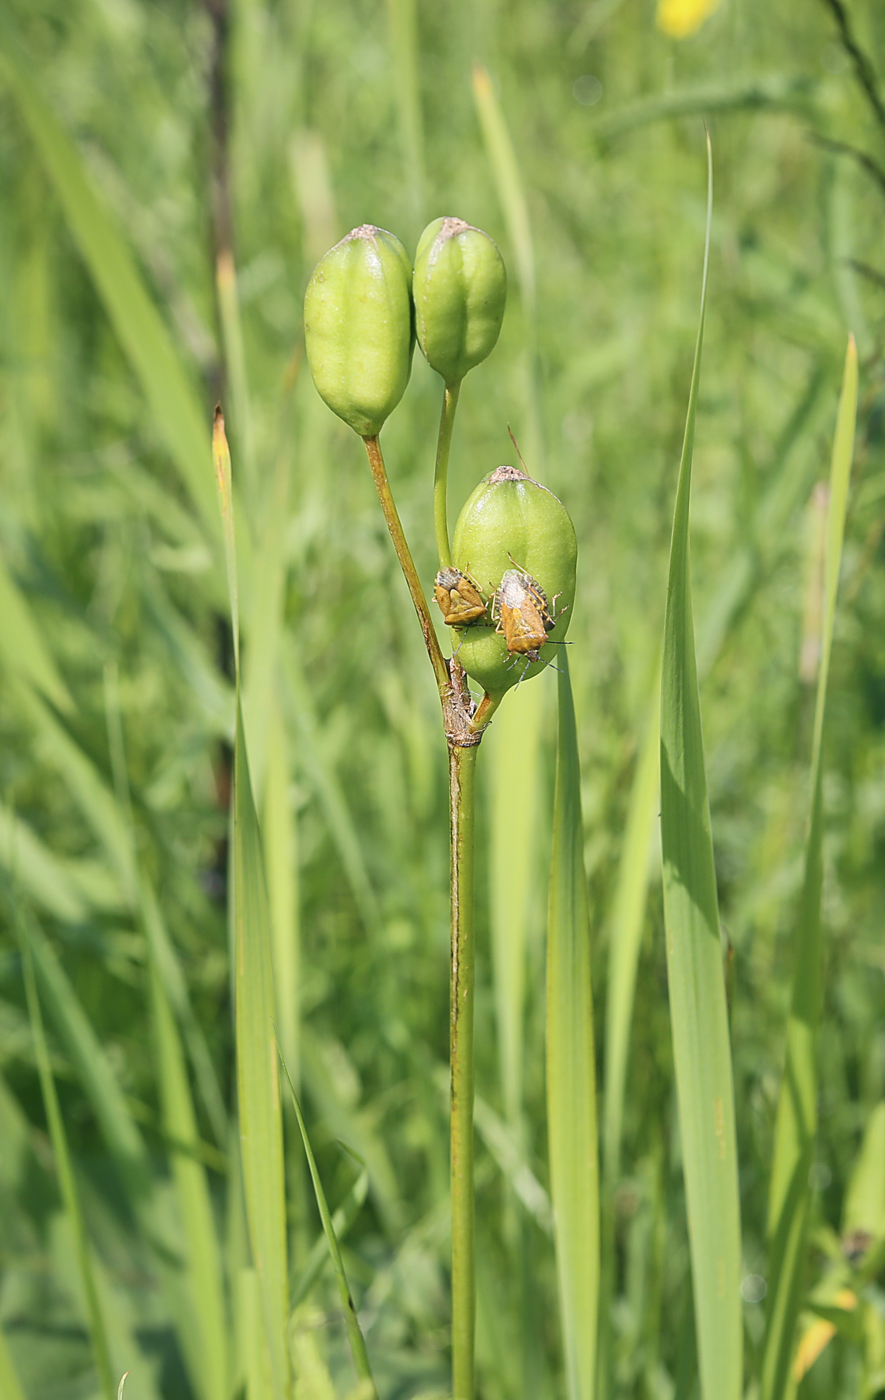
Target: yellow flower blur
{"points": [[679, 18], [818, 1333]]}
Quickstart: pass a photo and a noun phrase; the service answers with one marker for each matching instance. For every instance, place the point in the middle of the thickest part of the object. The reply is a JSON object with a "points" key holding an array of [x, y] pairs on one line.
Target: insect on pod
{"points": [[519, 607], [511, 517], [459, 598]]}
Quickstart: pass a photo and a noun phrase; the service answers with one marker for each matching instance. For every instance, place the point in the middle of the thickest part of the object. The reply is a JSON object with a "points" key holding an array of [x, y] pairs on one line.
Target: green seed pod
{"points": [[460, 287], [358, 327], [518, 541]]}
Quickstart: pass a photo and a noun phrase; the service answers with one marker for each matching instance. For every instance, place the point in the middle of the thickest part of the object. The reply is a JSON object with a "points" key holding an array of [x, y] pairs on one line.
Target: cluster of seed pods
{"points": [[510, 585]]}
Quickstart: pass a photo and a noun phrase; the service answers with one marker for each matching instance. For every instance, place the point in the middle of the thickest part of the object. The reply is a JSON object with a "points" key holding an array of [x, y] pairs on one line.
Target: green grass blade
{"points": [[625, 938], [505, 169], [342, 1220], [402, 22], [261, 1125], [83, 781], [118, 1128], [625, 933], [39, 873], [571, 1074], [354, 1332], [199, 1237], [512, 197], [350, 1126], [235, 366], [699, 1016], [864, 1207], [10, 1385], [796, 1124], [22, 645], [97, 1331], [120, 1132], [514, 787], [258, 1090], [145, 339], [253, 1378], [224, 491], [281, 857], [331, 794]]}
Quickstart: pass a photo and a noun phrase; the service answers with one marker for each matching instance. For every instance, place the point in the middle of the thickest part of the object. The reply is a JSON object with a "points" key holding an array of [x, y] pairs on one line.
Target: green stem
{"points": [[462, 774], [407, 563], [443, 445], [484, 711]]}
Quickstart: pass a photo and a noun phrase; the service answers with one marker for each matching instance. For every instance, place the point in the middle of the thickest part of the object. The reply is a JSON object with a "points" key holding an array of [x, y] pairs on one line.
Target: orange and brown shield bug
{"points": [[519, 608], [459, 598]]}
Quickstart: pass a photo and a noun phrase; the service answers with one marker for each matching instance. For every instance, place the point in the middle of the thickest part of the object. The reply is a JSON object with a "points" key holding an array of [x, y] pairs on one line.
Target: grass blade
{"points": [[625, 933], [199, 1237], [22, 645], [702, 1051], [10, 1386], [354, 1333], [514, 787], [118, 1128], [261, 1125], [625, 938], [796, 1124], [97, 1330], [258, 1091], [511, 194], [342, 1220], [138, 325], [402, 19], [571, 1074]]}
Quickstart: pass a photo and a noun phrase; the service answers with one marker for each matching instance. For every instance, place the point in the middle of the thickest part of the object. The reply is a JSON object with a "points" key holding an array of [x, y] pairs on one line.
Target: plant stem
{"points": [[462, 773], [407, 563], [443, 444], [484, 711], [463, 740]]}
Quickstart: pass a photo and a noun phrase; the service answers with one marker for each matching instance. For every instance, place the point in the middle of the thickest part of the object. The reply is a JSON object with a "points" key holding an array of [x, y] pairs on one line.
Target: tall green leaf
{"points": [[702, 1051], [517, 729], [625, 938], [571, 1073], [796, 1125], [258, 1089]]}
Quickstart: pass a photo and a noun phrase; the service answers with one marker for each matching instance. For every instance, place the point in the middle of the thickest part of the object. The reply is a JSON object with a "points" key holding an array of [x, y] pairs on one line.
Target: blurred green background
{"points": [[138, 144]]}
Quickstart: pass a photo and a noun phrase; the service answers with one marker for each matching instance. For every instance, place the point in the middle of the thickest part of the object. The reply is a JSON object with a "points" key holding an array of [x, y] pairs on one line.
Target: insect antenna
{"points": [[518, 453]]}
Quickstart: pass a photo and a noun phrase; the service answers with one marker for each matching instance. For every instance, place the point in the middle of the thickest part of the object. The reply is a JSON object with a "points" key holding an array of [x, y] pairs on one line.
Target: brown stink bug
{"points": [[519, 607], [459, 598]]}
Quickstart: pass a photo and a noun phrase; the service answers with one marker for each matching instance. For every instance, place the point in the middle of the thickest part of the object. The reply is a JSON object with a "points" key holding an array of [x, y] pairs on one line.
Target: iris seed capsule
{"points": [[460, 288], [358, 327], [513, 530]]}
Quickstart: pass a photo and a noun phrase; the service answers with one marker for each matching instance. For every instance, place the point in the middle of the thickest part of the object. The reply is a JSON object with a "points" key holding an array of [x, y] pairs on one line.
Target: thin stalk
{"points": [[354, 1331], [407, 563], [440, 479], [462, 799], [463, 732], [97, 1330], [484, 711]]}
